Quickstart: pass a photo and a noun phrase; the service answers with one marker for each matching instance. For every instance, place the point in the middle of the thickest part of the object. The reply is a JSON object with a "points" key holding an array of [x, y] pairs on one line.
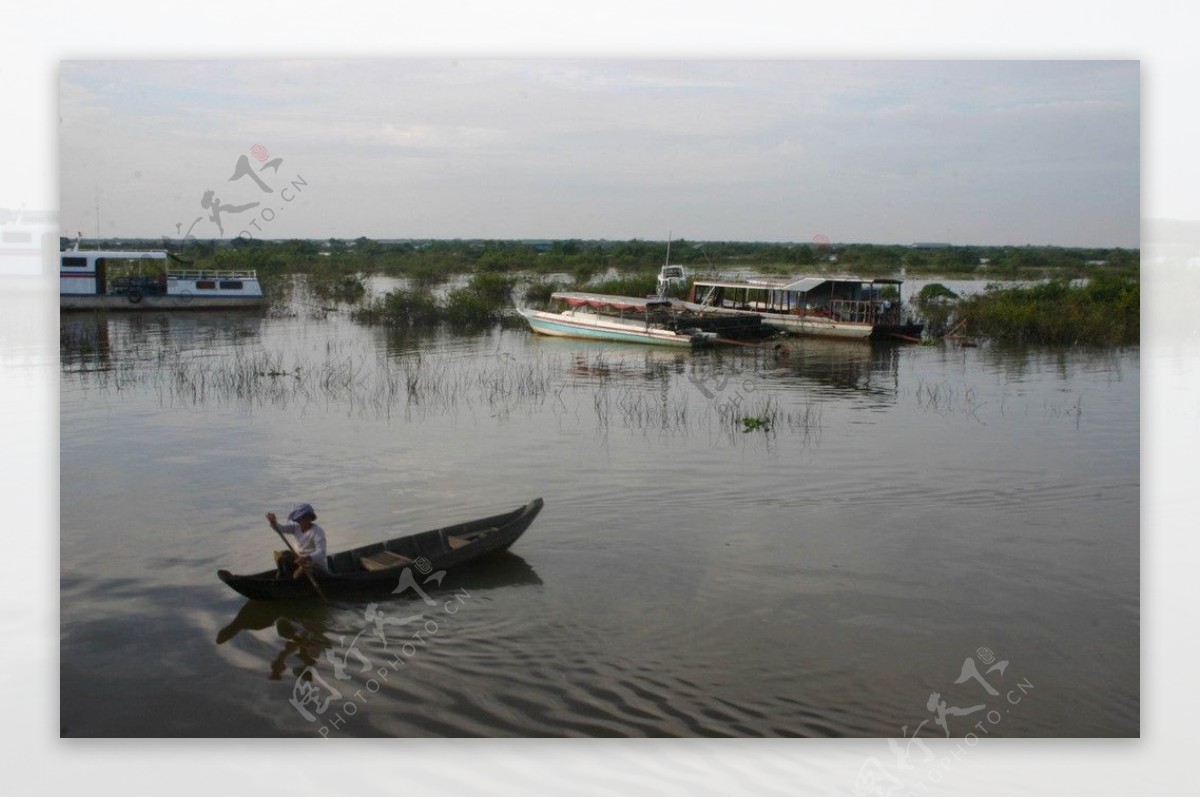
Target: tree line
{"points": [[434, 258]]}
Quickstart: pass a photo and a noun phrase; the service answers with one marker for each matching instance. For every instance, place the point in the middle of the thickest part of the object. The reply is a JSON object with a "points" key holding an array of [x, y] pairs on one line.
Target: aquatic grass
{"points": [[401, 308], [333, 287], [936, 306], [483, 300], [753, 423], [646, 392], [758, 412], [639, 285], [537, 294], [1104, 312], [945, 399]]}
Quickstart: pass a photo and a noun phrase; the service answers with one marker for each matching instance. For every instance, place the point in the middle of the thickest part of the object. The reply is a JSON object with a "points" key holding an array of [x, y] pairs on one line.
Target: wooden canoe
{"points": [[377, 569]]}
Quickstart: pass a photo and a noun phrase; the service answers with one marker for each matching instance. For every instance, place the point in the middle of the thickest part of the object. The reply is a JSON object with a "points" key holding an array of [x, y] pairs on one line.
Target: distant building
{"points": [[931, 245]]}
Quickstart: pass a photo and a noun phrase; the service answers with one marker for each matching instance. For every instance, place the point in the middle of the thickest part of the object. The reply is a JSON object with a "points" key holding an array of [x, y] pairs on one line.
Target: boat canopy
{"points": [[114, 254], [803, 285], [578, 299]]}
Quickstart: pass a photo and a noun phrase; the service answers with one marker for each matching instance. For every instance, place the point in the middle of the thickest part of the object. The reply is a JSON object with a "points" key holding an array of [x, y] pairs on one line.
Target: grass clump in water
{"points": [[1105, 311], [337, 287], [482, 301], [753, 423], [401, 308], [638, 285]]}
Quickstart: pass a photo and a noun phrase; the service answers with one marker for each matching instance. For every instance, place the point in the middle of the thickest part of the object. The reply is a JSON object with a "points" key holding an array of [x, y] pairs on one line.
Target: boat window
{"points": [[119, 268], [206, 284], [71, 260], [231, 284]]}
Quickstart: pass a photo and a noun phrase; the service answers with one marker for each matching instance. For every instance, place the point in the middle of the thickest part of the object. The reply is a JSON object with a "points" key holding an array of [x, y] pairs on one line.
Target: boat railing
{"points": [[891, 313], [212, 274], [854, 311]]}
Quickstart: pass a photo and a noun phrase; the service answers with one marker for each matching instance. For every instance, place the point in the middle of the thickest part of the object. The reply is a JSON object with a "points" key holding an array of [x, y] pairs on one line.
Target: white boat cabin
{"points": [[116, 279]]}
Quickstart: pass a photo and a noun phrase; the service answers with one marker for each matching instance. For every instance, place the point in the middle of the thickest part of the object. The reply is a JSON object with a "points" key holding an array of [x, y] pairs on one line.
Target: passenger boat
{"points": [[379, 568], [128, 280], [832, 307], [601, 317]]}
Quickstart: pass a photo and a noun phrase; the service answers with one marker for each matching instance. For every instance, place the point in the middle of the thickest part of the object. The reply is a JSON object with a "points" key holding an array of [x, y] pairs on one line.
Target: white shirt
{"points": [[311, 544]]}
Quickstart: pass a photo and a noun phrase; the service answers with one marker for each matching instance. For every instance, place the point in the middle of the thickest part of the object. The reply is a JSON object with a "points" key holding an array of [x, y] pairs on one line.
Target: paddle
{"points": [[307, 573]]}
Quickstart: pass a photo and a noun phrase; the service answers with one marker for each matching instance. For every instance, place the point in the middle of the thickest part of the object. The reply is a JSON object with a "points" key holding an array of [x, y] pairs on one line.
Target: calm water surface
{"points": [[913, 519]]}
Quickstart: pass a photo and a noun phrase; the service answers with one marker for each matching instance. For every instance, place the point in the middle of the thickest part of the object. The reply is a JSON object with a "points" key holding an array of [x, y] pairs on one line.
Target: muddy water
{"points": [[903, 522]]}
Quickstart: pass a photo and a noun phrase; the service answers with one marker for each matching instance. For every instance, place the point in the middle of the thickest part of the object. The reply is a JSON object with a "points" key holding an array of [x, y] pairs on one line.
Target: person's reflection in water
{"points": [[306, 640]]}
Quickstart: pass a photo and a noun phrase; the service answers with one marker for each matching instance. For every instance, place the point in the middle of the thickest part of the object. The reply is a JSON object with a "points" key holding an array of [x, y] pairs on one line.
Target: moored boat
{"points": [[831, 307], [601, 317], [381, 568], [136, 280]]}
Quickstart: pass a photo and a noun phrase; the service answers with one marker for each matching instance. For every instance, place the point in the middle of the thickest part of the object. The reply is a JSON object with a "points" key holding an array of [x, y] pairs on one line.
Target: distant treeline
{"points": [[1061, 309], [434, 260]]}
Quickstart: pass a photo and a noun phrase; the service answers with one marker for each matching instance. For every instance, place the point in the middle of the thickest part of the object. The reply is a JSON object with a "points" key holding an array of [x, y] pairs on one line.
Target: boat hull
{"points": [[596, 327], [820, 326], [910, 332], [430, 550], [84, 302]]}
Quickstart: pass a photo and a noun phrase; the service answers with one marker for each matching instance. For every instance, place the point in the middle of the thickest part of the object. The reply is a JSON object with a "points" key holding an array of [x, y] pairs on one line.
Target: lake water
{"points": [[912, 521]]}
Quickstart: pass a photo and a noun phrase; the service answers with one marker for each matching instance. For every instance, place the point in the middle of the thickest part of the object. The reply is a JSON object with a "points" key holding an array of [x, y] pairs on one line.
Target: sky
{"points": [[964, 152]]}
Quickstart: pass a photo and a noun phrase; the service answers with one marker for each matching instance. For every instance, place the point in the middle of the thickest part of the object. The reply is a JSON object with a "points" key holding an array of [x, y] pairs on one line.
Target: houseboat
{"points": [[831, 307], [120, 280]]}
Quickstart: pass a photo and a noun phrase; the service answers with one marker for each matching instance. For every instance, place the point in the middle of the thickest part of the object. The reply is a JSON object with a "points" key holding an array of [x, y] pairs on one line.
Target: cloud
{"points": [[851, 139]]}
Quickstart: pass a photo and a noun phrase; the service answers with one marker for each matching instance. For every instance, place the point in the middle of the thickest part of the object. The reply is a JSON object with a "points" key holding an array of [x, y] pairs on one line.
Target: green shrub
{"points": [[538, 294], [637, 285], [1105, 311], [401, 308]]}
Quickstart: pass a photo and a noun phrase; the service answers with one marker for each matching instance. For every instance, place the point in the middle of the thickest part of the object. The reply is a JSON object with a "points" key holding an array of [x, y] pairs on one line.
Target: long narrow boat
{"points": [[379, 568], [601, 317]]}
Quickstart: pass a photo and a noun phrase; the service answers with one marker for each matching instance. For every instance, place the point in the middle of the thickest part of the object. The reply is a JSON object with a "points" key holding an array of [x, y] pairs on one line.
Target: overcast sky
{"points": [[967, 152]]}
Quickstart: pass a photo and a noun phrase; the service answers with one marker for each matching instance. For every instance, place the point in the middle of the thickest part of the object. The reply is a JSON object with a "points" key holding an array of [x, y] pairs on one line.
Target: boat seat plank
{"points": [[383, 560], [458, 541]]}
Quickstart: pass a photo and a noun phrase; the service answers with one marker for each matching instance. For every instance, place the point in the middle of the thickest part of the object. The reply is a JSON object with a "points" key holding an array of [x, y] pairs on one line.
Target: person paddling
{"points": [[310, 540]]}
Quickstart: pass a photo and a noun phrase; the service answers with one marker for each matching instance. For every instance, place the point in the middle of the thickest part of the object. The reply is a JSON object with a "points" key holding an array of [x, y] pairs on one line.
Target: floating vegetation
{"points": [[763, 414], [754, 423]]}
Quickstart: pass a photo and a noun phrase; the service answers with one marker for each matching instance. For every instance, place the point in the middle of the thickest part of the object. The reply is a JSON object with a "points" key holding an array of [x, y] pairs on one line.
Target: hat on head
{"points": [[302, 510]]}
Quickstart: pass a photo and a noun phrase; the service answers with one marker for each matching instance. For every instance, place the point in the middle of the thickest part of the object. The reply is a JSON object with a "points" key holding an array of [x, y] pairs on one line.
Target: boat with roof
{"points": [[150, 280], [833, 307]]}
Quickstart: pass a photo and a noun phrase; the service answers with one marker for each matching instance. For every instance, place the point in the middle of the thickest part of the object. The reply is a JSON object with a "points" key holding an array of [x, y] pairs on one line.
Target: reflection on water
{"points": [[635, 388], [306, 631], [820, 572]]}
